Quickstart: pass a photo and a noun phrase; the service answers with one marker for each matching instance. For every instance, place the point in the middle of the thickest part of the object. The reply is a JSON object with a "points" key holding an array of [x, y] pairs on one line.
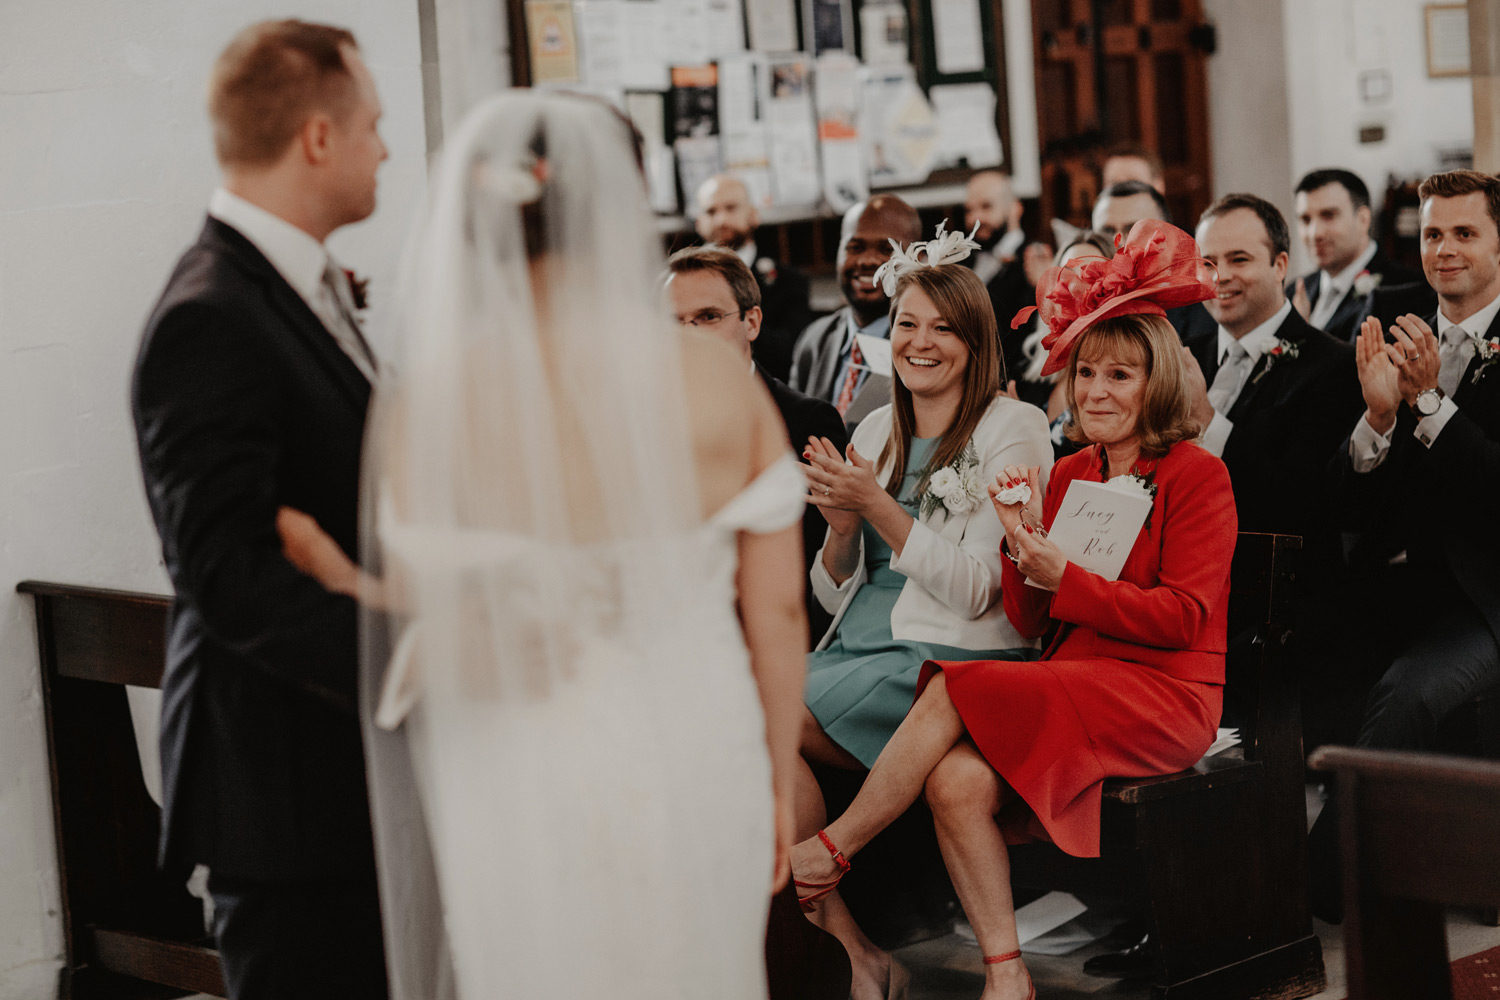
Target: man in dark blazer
{"points": [[713, 290], [1275, 398], [990, 204], [727, 218], [828, 363], [1419, 474], [1333, 221], [249, 394]]}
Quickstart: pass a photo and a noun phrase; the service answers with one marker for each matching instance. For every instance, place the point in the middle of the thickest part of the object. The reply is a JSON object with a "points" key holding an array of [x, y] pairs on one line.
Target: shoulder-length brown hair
{"points": [[960, 298], [1166, 408]]}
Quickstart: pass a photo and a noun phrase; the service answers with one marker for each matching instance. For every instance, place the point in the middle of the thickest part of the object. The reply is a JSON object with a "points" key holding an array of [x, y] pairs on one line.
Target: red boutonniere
{"points": [[359, 289], [1488, 352]]}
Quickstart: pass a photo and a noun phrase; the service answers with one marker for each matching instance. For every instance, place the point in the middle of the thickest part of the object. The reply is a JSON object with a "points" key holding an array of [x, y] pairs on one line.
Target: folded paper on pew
{"points": [[1097, 524]]}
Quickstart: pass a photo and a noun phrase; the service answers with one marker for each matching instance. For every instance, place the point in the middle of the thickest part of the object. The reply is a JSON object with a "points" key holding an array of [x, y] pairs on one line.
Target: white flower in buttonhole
{"points": [[1488, 352], [1365, 283], [955, 487]]}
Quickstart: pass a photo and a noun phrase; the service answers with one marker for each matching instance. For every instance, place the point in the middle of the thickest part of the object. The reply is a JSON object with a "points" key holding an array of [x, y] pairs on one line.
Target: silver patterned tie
{"points": [[341, 322], [1230, 377], [1454, 356]]}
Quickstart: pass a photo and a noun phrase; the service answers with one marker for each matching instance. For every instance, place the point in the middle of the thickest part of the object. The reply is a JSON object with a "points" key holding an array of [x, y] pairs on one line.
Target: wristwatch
{"points": [[1428, 401]]}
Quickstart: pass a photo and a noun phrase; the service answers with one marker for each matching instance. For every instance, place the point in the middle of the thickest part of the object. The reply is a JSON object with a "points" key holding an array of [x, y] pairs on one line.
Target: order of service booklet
{"points": [[1097, 523]]}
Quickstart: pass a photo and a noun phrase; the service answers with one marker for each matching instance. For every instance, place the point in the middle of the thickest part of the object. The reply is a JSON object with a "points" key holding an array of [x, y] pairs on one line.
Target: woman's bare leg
{"points": [[871, 965], [965, 793]]}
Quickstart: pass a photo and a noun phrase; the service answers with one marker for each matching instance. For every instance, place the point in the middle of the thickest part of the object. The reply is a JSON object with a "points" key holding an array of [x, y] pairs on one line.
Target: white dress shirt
{"points": [[1257, 342], [297, 257], [1367, 448], [1333, 287]]}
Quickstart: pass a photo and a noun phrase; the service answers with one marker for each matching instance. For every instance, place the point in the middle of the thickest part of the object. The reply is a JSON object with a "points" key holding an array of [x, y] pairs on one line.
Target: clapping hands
{"points": [[1391, 373], [842, 490]]}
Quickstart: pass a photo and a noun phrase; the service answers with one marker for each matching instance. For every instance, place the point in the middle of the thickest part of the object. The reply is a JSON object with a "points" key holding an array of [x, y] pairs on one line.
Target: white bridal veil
{"points": [[530, 486]]}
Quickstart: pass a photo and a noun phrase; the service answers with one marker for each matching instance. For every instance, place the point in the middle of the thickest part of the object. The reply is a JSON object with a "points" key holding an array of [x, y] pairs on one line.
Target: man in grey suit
{"points": [[827, 362]]}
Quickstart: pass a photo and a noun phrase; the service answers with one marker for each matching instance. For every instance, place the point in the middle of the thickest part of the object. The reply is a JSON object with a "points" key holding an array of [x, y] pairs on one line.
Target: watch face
{"points": [[1428, 403]]}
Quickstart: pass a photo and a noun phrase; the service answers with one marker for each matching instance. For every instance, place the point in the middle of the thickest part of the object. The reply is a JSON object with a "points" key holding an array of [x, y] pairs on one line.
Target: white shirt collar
{"points": [[1259, 340], [298, 257], [747, 252], [1344, 280], [1475, 325]]}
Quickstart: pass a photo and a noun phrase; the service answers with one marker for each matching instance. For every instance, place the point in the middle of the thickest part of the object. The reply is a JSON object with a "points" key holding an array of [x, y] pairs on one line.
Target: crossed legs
{"points": [[929, 751]]}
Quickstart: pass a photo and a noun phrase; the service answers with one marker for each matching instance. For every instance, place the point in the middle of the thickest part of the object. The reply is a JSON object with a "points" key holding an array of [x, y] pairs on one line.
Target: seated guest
{"points": [[1119, 207], [1333, 220], [993, 215], [1009, 750], [1425, 454], [712, 290], [911, 564], [727, 218], [1132, 163], [828, 362]]}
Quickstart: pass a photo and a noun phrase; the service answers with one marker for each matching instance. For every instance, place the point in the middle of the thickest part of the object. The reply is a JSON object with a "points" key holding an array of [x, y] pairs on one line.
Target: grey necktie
{"points": [[1328, 302], [339, 318], [1230, 377], [1454, 354]]}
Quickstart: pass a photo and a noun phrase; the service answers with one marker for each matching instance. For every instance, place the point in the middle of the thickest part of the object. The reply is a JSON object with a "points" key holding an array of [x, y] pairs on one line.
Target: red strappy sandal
{"points": [[821, 889], [1011, 956]]}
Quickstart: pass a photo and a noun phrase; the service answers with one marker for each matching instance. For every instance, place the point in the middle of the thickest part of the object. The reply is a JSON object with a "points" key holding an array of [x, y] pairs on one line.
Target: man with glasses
{"points": [[712, 290]]}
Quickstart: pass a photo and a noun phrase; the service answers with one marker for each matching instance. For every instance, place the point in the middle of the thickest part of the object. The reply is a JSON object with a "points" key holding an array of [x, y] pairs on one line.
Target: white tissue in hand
{"points": [[1019, 493]]}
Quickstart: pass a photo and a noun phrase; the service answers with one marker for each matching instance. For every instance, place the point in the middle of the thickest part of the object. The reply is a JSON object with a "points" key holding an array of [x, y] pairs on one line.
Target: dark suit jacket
{"points": [[1353, 308], [815, 365], [1433, 501], [243, 402], [807, 417], [1010, 292], [1288, 421], [784, 305]]}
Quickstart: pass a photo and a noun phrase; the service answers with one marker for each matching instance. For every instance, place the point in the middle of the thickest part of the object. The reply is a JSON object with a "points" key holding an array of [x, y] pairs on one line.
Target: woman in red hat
{"points": [[1131, 683]]}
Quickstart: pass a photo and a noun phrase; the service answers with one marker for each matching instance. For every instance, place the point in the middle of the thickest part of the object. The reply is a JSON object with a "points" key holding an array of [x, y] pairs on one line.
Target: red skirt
{"points": [[1055, 729]]}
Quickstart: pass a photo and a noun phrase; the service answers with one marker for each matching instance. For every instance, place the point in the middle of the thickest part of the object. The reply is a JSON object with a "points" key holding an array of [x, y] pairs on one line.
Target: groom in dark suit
{"points": [[1421, 471], [249, 393]]}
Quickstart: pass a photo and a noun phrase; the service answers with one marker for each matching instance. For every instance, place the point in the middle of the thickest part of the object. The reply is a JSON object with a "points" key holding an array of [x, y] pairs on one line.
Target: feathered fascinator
{"points": [[943, 248], [1155, 268]]}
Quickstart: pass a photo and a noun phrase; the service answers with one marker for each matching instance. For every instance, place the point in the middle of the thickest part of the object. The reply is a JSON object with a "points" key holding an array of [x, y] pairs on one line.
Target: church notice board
{"points": [[812, 102]]}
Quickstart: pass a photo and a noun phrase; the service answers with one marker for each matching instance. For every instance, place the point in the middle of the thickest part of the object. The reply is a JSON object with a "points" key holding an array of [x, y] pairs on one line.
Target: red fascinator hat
{"points": [[1155, 268]]}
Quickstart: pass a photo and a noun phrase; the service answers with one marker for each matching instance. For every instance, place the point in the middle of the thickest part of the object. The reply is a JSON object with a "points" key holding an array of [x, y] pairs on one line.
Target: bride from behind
{"points": [[585, 693]]}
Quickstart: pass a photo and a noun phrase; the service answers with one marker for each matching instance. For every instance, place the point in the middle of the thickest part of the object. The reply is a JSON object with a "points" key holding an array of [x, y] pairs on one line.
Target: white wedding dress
{"points": [[612, 838]]}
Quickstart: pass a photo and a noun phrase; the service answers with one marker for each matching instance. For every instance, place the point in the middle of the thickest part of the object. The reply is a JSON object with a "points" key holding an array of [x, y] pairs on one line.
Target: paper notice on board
{"points": [[553, 41], [773, 25], [882, 32], [966, 125], [647, 111], [957, 36], [645, 65], [600, 30], [844, 179], [897, 128], [742, 131], [1097, 524], [792, 129], [723, 27]]}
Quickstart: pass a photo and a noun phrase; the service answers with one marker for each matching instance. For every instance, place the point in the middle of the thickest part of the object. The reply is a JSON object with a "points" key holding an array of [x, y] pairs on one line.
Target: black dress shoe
{"points": [[1133, 962]]}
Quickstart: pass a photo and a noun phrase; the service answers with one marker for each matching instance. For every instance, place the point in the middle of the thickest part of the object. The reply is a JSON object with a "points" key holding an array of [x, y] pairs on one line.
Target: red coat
{"points": [[1133, 683]]}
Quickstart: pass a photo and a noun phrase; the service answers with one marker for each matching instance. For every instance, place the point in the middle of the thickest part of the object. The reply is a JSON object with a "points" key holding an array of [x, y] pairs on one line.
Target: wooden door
{"points": [[1121, 72]]}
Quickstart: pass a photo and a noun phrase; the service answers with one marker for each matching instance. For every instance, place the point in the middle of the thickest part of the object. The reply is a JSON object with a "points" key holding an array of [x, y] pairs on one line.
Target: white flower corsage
{"points": [[1488, 352], [1134, 483], [1365, 283], [1281, 350], [955, 487], [943, 248], [1019, 493]]}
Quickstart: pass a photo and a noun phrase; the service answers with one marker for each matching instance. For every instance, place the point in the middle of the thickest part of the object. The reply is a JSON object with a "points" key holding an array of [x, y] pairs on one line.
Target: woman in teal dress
{"points": [[910, 566]]}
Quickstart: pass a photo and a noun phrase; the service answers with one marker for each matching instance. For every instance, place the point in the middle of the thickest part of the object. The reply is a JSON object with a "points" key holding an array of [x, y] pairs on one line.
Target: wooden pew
{"points": [[129, 931], [1418, 832], [1219, 851]]}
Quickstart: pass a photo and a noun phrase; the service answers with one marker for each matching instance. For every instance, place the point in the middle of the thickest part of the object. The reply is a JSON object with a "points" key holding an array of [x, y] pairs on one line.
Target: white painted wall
{"points": [[105, 166], [1285, 97]]}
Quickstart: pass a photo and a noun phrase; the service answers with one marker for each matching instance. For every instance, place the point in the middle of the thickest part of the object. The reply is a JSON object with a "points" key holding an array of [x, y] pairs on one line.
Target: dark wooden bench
{"points": [[129, 931], [1418, 832], [1219, 852]]}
